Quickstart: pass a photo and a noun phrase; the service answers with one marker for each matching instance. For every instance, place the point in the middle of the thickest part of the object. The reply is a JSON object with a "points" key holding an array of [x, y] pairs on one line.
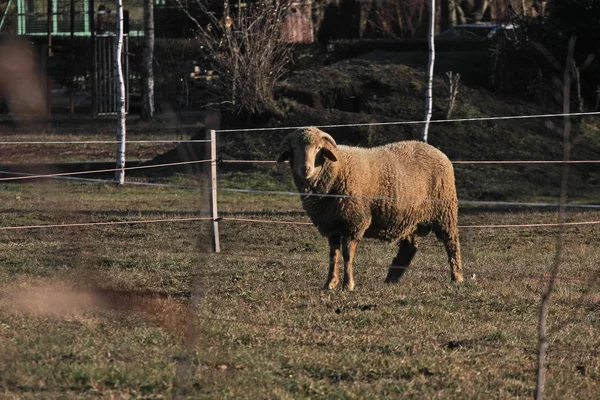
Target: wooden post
{"points": [[213, 192]]}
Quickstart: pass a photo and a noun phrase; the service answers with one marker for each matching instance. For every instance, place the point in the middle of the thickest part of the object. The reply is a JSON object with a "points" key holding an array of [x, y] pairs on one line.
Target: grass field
{"points": [[146, 311], [61, 152]]}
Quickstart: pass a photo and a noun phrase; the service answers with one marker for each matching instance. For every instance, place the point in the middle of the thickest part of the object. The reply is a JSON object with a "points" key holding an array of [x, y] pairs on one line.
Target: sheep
{"points": [[393, 192]]}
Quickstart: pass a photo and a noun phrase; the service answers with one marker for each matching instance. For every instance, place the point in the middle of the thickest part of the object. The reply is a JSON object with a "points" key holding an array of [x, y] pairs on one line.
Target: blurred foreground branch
{"points": [[21, 81], [560, 242]]}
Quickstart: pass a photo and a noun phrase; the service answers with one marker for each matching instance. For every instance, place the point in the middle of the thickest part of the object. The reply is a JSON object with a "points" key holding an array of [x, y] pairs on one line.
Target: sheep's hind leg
{"points": [[453, 250], [348, 250], [406, 251], [334, 253]]}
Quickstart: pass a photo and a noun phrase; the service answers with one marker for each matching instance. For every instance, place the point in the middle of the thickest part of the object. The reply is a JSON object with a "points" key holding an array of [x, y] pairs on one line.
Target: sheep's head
{"points": [[307, 149]]}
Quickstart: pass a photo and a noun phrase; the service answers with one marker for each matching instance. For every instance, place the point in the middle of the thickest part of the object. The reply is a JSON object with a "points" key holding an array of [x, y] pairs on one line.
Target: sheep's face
{"points": [[306, 151]]}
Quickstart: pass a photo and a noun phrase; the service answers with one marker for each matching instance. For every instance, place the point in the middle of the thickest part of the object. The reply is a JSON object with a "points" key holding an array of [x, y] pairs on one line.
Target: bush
{"points": [[249, 55]]}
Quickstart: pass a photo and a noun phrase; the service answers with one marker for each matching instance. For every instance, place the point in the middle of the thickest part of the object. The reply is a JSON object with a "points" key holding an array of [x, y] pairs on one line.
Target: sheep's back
{"points": [[408, 183], [410, 169], [385, 191]]}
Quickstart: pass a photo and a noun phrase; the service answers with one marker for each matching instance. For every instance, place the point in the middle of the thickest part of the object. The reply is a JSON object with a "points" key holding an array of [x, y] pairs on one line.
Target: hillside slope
{"points": [[383, 87]]}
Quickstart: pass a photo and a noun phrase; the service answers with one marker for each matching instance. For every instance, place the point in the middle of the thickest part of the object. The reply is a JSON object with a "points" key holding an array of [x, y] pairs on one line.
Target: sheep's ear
{"points": [[286, 155], [285, 149], [330, 155]]}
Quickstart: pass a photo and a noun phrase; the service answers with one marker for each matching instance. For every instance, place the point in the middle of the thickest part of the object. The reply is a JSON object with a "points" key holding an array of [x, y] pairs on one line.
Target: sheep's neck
{"points": [[324, 182]]}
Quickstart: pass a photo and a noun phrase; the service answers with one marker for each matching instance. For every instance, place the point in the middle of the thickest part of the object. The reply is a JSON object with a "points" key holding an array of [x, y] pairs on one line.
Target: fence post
{"points": [[213, 192]]}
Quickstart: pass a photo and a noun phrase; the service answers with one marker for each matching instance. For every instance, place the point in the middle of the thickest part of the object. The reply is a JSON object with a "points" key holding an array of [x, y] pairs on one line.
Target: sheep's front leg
{"points": [[348, 249], [334, 253]]}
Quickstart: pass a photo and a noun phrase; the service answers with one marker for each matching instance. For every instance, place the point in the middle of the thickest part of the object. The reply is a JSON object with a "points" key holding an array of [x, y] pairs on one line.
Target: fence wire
{"points": [[415, 122]]}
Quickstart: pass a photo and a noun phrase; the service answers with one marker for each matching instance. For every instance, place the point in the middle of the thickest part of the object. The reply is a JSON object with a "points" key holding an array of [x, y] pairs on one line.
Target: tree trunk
{"points": [[480, 10], [147, 61], [456, 12], [429, 93], [72, 66], [448, 14], [122, 113]]}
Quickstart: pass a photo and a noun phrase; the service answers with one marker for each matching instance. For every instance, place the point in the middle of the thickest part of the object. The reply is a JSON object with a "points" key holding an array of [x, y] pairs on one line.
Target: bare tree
{"points": [[449, 14], [429, 93], [452, 87], [456, 12], [147, 62], [122, 113]]}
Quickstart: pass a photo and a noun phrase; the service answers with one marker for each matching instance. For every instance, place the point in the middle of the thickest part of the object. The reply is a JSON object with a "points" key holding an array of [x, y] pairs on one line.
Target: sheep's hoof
{"points": [[457, 277], [330, 285], [349, 286]]}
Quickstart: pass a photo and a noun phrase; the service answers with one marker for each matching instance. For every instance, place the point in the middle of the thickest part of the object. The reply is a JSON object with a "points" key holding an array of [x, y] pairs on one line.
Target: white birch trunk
{"points": [[122, 114], [429, 93], [147, 60], [452, 13]]}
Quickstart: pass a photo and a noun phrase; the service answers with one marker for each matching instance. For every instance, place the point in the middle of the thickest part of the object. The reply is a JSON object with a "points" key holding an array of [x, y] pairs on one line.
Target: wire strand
{"points": [[437, 121], [539, 225], [99, 171], [102, 142], [460, 202], [458, 162], [265, 221], [86, 224]]}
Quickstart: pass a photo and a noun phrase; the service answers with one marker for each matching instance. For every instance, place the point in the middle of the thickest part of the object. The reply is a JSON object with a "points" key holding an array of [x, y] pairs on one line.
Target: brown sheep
{"points": [[393, 192]]}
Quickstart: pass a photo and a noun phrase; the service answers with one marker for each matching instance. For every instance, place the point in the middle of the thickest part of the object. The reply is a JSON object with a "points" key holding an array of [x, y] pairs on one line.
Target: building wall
{"points": [[298, 26]]}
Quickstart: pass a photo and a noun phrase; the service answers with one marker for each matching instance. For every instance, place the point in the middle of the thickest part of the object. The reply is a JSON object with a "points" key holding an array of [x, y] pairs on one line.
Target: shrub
{"points": [[249, 55]]}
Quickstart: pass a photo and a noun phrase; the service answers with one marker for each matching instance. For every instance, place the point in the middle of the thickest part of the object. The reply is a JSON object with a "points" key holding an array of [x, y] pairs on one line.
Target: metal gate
{"points": [[105, 97]]}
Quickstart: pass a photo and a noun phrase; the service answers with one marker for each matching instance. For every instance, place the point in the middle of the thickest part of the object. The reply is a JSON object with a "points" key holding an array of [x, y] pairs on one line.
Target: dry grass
{"points": [[140, 311]]}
